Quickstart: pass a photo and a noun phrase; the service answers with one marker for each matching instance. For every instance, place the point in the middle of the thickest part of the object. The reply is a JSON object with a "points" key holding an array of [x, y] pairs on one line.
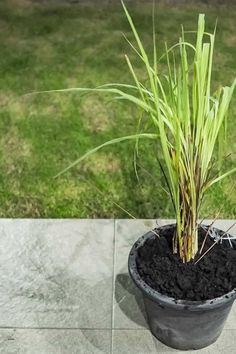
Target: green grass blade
{"points": [[107, 143]]}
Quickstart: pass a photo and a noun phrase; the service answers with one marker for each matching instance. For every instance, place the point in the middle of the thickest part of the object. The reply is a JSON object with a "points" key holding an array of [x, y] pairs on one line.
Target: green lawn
{"points": [[45, 47]]}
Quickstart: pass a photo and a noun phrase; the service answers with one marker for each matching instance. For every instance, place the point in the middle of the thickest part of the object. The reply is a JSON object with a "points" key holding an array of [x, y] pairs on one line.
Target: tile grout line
{"points": [[84, 329], [113, 284], [74, 328], [56, 328]]}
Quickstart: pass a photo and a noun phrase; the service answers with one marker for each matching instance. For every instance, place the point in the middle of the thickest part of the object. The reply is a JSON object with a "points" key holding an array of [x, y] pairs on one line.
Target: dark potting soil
{"points": [[213, 276]]}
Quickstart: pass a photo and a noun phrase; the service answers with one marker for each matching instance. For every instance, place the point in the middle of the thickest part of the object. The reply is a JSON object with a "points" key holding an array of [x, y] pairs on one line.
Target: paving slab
{"points": [[142, 342], [57, 284], [44, 341], [56, 273]]}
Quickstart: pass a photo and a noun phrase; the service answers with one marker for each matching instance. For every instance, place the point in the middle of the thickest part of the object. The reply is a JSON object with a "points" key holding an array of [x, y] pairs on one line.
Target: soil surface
{"points": [[213, 276]]}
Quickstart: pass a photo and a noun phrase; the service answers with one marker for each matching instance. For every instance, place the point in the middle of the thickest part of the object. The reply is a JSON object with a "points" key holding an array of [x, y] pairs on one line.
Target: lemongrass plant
{"points": [[186, 118]]}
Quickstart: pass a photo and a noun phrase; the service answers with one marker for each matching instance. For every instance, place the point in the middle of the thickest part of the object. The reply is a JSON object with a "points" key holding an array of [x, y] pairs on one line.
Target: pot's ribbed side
{"points": [[180, 324]]}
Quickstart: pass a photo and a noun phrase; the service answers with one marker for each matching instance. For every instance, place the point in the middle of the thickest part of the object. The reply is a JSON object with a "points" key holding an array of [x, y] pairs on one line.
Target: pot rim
{"points": [[166, 300]]}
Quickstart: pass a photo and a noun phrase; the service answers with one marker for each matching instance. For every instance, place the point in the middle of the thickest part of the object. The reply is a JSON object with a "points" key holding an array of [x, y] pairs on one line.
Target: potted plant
{"points": [[186, 271]]}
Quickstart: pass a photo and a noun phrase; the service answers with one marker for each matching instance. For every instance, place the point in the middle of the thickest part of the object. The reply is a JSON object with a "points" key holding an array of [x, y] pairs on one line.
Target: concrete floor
{"points": [[64, 289]]}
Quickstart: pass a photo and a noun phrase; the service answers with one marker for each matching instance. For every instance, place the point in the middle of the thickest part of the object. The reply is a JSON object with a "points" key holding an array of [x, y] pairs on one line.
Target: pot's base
{"points": [[185, 329], [184, 346]]}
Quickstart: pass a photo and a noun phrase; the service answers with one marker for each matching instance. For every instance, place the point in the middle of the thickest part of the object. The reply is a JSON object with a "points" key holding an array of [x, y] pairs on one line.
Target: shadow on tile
{"points": [[96, 341], [129, 299]]}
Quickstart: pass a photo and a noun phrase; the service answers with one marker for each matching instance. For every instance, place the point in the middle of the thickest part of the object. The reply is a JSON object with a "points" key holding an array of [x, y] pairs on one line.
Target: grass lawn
{"points": [[48, 47]]}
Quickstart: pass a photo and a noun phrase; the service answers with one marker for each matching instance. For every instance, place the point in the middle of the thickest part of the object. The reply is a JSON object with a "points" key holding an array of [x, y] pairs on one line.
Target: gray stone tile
{"points": [[142, 342], [56, 273], [231, 320], [128, 308], [222, 224], [133, 342], [43, 341]]}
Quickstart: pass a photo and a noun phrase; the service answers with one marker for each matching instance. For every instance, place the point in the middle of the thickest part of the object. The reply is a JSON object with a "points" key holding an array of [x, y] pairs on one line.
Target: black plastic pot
{"points": [[180, 324]]}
